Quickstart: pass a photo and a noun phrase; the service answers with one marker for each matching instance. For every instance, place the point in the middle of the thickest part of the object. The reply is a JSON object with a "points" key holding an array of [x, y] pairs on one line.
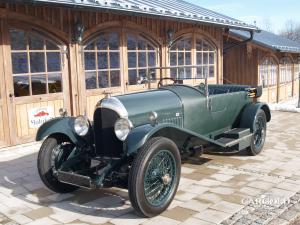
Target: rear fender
{"points": [[140, 135], [249, 113], [62, 125]]}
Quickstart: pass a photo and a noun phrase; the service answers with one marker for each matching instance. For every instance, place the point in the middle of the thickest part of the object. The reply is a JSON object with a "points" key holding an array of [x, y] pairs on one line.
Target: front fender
{"points": [[61, 125], [249, 113], [137, 137], [140, 135]]}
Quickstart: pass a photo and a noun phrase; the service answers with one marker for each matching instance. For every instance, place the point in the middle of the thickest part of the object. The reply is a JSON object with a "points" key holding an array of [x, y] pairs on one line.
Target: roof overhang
{"points": [[273, 47], [184, 11]]}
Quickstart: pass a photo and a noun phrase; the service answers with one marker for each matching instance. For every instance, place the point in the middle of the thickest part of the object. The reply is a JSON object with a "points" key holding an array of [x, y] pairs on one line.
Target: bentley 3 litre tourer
{"points": [[136, 141]]}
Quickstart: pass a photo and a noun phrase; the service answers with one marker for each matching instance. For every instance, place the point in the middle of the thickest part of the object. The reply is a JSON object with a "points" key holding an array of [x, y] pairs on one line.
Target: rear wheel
{"points": [[53, 152], [259, 130], [154, 177]]}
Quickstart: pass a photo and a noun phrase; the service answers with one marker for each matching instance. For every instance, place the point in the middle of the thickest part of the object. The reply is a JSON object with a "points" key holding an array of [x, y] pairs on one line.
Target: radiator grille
{"points": [[107, 144]]}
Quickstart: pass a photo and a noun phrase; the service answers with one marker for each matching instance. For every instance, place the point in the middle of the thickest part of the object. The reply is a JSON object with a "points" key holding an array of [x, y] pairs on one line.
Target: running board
{"points": [[237, 139]]}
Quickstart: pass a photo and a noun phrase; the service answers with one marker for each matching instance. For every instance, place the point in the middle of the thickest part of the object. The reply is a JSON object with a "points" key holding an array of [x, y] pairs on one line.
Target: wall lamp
{"points": [[78, 31], [170, 37]]}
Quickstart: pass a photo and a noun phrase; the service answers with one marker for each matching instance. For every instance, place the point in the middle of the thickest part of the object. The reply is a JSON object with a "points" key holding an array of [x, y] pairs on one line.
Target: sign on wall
{"points": [[38, 116]]}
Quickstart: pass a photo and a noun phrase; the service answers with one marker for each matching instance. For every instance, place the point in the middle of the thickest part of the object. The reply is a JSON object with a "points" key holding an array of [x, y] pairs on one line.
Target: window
{"points": [[102, 62], [206, 58], [36, 64], [286, 70], [268, 70], [181, 55], [141, 56]]}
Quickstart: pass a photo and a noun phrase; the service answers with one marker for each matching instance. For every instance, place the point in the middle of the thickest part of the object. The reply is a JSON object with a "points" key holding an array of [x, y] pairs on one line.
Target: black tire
{"points": [[259, 133], [45, 168], [155, 147]]}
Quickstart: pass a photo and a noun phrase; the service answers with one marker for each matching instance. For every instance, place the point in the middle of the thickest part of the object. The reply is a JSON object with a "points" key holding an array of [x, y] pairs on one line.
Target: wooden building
{"points": [[67, 54], [70, 54], [268, 60]]}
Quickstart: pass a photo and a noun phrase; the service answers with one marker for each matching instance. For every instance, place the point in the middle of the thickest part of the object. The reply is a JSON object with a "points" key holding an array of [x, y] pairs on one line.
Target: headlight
{"points": [[81, 125], [122, 128]]}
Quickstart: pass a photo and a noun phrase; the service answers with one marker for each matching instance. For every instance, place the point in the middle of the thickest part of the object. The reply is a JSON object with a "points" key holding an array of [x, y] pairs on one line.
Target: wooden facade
{"points": [[247, 63], [66, 85]]}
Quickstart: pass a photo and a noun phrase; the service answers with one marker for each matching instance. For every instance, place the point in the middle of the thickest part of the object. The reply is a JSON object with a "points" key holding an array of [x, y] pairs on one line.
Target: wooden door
{"points": [[102, 58], [38, 84], [4, 126], [286, 79], [285, 91], [272, 92], [116, 62]]}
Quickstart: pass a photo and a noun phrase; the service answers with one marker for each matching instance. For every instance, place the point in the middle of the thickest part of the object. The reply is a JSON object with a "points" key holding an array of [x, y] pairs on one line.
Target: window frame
{"points": [[184, 52], [268, 65], [137, 51], [124, 64], [46, 39], [196, 37], [286, 67], [108, 51]]}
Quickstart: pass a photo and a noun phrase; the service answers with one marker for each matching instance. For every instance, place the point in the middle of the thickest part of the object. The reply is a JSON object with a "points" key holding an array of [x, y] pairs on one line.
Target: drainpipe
{"points": [[225, 50]]}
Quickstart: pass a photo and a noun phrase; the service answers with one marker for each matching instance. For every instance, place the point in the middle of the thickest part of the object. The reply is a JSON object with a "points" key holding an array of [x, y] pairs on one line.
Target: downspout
{"points": [[225, 50]]}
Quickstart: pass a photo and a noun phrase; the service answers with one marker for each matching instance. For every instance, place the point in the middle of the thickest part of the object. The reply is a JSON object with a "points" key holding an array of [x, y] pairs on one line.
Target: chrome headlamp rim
{"points": [[122, 134], [81, 125]]}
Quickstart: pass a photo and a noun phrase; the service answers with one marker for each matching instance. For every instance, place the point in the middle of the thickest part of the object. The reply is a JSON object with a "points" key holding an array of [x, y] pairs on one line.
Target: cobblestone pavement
{"points": [[214, 189]]}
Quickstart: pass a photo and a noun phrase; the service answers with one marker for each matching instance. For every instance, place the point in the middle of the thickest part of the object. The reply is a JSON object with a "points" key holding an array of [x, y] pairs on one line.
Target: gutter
{"points": [[225, 50]]}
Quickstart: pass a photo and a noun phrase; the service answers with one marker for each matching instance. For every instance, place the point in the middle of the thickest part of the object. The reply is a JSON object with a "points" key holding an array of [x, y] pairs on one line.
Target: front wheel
{"points": [[259, 130], [53, 152], [154, 177]]}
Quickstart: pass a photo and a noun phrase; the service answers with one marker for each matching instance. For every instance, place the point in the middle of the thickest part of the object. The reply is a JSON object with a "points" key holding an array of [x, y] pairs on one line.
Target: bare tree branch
{"points": [[291, 31]]}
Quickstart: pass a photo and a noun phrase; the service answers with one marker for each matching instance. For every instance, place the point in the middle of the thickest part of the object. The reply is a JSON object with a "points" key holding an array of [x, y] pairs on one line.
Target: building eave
{"points": [[149, 8]]}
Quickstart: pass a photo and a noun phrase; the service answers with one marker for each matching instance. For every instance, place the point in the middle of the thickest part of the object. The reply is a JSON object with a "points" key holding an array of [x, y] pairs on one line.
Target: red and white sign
{"points": [[38, 116]]}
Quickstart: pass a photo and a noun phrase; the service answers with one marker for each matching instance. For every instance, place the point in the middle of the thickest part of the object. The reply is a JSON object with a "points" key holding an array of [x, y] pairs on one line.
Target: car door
{"points": [[218, 107], [225, 108]]}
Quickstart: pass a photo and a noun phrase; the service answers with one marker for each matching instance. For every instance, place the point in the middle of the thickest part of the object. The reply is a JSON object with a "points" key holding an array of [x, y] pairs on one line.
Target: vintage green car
{"points": [[137, 141]]}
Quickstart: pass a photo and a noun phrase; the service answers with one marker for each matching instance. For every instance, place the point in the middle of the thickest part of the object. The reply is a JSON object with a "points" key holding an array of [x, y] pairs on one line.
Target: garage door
{"points": [[116, 62], [38, 82]]}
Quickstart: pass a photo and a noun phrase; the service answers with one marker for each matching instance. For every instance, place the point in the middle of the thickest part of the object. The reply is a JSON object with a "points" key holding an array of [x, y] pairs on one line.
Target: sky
{"points": [[272, 14]]}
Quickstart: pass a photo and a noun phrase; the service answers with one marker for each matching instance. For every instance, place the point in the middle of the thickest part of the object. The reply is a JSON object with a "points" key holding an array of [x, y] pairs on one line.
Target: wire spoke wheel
{"points": [[259, 134], [159, 177], [259, 130], [154, 177]]}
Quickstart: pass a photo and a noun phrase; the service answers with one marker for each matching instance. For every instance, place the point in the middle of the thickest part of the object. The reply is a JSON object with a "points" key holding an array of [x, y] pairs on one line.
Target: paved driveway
{"points": [[213, 189]]}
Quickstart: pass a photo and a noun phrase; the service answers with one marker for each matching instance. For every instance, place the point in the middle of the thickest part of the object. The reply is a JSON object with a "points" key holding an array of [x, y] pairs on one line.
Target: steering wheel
{"points": [[164, 78], [202, 88]]}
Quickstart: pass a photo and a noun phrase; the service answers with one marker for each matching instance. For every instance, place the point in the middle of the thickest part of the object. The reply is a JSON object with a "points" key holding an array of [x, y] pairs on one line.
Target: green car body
{"points": [[131, 132], [182, 112]]}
